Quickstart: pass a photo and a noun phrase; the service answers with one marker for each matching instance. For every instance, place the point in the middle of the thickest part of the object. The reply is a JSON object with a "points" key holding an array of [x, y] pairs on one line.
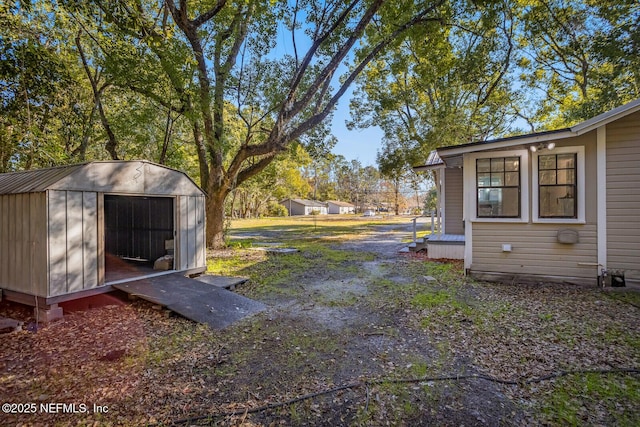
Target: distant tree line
{"points": [[331, 177]]}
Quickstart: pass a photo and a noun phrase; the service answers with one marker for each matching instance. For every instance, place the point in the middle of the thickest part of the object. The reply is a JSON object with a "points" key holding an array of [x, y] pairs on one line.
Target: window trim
{"points": [[580, 186], [501, 187], [471, 177]]}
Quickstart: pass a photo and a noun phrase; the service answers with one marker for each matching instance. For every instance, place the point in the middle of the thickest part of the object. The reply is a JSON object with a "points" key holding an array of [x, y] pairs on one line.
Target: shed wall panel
{"points": [[183, 233], [57, 207], [191, 233], [90, 239], [535, 250], [4, 240], [75, 245], [39, 238], [201, 238], [193, 218], [453, 212], [22, 248], [623, 196], [73, 241]]}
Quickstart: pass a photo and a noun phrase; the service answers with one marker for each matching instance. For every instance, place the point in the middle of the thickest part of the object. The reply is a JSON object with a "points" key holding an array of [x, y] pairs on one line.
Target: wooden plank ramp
{"points": [[197, 300]]}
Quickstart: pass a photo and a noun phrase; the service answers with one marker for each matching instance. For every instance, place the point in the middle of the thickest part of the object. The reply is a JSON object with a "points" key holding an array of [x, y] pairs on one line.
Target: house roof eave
{"points": [[533, 138], [607, 117], [510, 142]]}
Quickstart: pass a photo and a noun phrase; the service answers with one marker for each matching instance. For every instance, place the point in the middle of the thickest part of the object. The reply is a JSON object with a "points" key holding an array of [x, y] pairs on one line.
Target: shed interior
{"points": [[138, 230]]}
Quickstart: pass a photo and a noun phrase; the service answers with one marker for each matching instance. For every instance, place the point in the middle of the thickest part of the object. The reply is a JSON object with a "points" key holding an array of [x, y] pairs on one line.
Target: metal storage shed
{"points": [[61, 229]]}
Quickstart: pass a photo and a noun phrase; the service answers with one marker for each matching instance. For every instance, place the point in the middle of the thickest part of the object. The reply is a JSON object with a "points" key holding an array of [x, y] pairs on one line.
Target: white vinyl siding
{"points": [[453, 223], [534, 250], [623, 195]]}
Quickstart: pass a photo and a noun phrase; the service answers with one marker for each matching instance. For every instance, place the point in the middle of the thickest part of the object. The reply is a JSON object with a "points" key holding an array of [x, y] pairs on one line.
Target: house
{"points": [[560, 205], [72, 231], [304, 207], [336, 207]]}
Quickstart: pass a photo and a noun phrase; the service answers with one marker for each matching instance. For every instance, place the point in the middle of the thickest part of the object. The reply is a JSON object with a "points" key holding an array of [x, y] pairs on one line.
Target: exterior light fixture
{"points": [[542, 146]]}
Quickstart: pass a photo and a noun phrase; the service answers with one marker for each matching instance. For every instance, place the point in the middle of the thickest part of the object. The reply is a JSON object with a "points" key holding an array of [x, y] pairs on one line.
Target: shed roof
{"points": [[34, 181], [132, 177], [339, 203], [305, 202]]}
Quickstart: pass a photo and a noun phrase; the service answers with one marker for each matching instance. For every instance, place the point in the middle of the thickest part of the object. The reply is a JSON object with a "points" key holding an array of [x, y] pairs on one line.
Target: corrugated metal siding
{"points": [[623, 195], [35, 180], [191, 233], [453, 212], [23, 250], [73, 250], [535, 250]]}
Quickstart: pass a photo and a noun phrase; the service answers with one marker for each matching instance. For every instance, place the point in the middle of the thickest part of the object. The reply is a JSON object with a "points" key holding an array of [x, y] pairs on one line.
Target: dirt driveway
{"points": [[355, 334]]}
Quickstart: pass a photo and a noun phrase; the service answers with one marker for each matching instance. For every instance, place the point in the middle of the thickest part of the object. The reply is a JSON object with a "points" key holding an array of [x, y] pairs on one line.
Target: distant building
{"points": [[304, 207], [336, 207]]}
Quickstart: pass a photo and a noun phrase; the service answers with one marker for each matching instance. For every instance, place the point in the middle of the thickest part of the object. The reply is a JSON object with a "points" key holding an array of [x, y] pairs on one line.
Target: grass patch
{"points": [[239, 243], [627, 297], [272, 273], [586, 399]]}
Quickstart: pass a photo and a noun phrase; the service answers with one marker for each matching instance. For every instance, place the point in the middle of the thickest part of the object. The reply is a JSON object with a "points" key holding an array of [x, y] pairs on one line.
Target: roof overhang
{"points": [[502, 143], [451, 156], [433, 162]]}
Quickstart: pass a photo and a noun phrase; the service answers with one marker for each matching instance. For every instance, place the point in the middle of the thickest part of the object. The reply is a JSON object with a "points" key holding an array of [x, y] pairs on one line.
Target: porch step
{"points": [[418, 245]]}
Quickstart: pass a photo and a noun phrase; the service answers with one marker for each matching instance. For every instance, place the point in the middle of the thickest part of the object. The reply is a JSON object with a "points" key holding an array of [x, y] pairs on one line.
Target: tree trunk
{"points": [[215, 219]]}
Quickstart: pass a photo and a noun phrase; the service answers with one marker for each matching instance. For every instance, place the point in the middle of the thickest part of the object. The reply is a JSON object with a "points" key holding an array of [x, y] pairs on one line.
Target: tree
{"points": [[393, 166], [281, 179], [442, 85], [217, 54], [38, 93], [578, 59]]}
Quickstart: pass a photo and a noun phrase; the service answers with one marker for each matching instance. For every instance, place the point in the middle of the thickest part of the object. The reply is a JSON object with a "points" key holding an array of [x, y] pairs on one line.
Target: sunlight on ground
{"points": [[319, 221]]}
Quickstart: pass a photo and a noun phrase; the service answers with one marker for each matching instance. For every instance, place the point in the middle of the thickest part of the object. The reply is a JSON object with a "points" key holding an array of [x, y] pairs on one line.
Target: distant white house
{"points": [[304, 207], [337, 207]]}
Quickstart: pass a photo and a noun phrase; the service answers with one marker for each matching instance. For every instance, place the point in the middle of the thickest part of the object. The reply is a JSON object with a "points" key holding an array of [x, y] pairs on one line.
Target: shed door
{"points": [[138, 227]]}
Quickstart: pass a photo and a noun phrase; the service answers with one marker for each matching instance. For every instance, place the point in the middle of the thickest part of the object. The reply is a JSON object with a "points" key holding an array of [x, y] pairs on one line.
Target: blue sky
{"points": [[362, 145]]}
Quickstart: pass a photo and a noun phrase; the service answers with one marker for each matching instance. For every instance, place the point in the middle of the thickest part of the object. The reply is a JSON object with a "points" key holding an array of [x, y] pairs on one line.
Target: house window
{"points": [[557, 178], [498, 187]]}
